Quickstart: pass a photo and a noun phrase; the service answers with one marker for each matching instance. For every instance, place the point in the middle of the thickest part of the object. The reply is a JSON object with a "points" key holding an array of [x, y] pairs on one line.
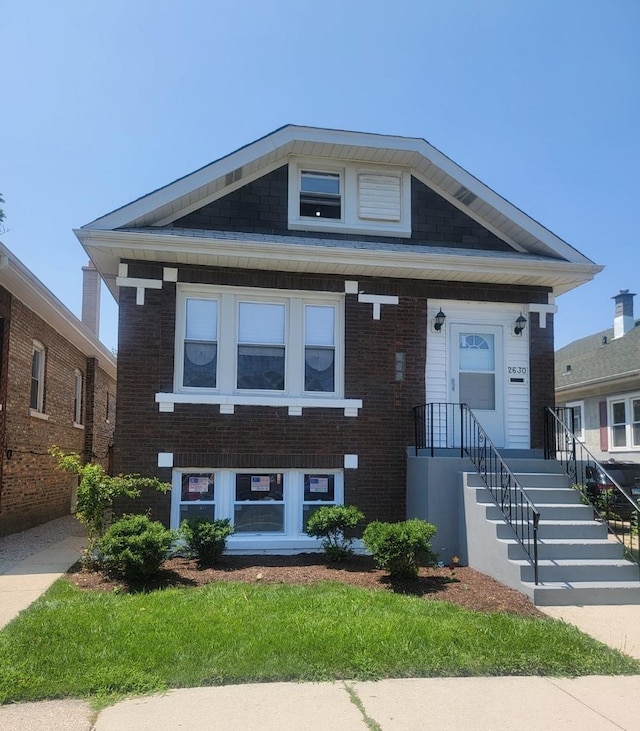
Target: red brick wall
{"points": [[199, 435], [32, 489]]}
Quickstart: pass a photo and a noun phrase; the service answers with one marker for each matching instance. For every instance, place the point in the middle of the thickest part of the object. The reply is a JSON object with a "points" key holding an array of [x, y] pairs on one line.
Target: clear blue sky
{"points": [[106, 101]]}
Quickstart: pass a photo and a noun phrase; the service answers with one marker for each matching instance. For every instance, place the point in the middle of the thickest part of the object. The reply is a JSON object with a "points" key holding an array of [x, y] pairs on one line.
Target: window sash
{"points": [[36, 399], [77, 397]]}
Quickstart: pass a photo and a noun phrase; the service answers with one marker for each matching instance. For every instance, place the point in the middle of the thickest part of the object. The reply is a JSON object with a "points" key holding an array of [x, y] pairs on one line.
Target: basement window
{"points": [[320, 195]]}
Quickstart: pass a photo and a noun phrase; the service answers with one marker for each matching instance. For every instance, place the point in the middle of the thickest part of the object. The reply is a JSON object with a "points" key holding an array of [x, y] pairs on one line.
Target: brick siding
{"points": [[32, 489], [199, 436]]}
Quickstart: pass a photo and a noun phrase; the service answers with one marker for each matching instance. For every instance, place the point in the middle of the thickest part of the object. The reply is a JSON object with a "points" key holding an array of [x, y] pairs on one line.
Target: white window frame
{"points": [[78, 397], [226, 393], [578, 405], [627, 400], [351, 221], [39, 351], [224, 502]]}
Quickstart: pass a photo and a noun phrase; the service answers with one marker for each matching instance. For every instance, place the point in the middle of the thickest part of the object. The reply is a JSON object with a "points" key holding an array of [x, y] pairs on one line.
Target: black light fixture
{"points": [[439, 321], [520, 324]]}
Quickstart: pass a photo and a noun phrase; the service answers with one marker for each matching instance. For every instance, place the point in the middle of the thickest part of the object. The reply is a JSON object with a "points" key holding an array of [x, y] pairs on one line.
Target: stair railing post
{"points": [[462, 430]]}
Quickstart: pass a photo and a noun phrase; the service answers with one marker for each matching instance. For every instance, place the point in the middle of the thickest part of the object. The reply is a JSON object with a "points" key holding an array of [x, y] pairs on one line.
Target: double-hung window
{"points": [[255, 343], [77, 397], [625, 422], [36, 401]]}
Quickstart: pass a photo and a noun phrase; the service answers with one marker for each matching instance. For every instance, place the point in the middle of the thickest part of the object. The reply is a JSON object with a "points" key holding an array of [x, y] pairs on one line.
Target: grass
{"points": [[84, 644]]}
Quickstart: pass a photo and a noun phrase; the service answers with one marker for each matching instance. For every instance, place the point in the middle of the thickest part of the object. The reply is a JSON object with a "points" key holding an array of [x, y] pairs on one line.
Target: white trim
{"points": [[165, 459], [351, 287], [351, 461], [543, 311], [38, 348], [166, 402], [350, 220], [224, 502], [627, 399], [123, 270], [78, 397], [169, 274], [106, 247], [39, 414], [78, 426], [226, 392]]}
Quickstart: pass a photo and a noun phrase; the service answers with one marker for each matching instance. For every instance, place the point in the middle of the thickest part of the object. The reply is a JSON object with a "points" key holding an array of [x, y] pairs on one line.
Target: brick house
{"points": [[57, 386], [283, 309]]}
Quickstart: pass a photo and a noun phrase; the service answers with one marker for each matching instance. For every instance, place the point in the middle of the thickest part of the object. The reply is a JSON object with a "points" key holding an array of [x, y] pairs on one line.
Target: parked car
{"points": [[625, 474]]}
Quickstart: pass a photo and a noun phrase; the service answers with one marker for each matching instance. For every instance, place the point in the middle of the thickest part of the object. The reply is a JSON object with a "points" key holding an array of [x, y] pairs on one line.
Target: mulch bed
{"points": [[462, 585]]}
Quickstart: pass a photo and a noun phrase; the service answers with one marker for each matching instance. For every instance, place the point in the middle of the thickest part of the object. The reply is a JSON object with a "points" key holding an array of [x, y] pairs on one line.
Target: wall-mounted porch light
{"points": [[439, 320], [521, 323]]}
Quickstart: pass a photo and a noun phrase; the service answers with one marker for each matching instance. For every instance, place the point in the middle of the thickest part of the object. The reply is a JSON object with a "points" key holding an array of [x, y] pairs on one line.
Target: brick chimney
{"points": [[623, 319], [91, 298]]}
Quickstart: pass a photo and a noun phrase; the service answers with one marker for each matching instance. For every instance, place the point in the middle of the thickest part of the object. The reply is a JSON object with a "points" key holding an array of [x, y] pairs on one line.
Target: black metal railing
{"points": [[454, 426], [612, 505]]}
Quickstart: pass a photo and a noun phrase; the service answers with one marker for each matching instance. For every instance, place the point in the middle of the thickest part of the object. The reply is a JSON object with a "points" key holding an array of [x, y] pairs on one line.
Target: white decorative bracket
{"points": [[351, 461], [376, 300], [543, 311], [165, 459], [140, 285]]}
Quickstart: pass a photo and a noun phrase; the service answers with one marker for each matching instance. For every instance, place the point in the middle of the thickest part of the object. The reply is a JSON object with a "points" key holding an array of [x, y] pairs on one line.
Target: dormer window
{"points": [[320, 195], [349, 197]]}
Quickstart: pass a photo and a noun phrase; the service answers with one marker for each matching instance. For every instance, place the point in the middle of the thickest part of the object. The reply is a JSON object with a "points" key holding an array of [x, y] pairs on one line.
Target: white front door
{"points": [[476, 358]]}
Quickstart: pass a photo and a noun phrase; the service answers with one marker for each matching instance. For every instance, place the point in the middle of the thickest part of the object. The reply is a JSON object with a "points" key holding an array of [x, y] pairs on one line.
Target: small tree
{"points": [[331, 523], [97, 491]]}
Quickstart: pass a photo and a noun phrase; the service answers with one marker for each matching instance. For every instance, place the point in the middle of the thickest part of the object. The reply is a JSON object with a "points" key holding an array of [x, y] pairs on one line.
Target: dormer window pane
{"points": [[320, 195]]}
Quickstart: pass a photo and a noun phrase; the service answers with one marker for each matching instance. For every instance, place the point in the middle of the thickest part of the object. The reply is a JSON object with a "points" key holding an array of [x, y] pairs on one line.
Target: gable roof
{"points": [[171, 202], [598, 364], [25, 286]]}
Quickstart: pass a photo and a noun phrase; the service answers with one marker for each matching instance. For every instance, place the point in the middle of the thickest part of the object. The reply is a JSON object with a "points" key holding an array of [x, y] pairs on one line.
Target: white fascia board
{"points": [[595, 385], [193, 181], [360, 260], [25, 286]]}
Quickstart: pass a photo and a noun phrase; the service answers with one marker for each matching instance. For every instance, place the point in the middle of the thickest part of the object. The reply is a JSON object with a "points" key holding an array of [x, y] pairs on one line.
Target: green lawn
{"points": [[76, 643]]}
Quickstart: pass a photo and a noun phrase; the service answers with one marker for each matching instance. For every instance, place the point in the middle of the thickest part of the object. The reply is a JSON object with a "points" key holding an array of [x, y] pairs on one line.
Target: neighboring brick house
{"points": [[598, 378], [57, 386], [280, 316]]}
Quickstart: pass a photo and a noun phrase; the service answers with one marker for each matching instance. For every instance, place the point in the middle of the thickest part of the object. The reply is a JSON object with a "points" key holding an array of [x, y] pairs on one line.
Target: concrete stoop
{"points": [[578, 564]]}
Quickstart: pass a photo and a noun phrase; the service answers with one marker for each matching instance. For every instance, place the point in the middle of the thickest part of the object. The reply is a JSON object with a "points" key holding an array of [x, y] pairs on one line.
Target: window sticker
{"points": [[199, 484], [260, 483], [318, 484]]}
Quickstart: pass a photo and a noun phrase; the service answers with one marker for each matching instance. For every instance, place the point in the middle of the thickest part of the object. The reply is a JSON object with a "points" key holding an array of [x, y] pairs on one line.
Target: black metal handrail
{"points": [[447, 426], [617, 510]]}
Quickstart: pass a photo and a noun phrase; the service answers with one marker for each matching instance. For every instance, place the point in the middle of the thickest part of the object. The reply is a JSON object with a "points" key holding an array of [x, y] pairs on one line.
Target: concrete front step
{"points": [[568, 548], [612, 571], [546, 495], [583, 593], [550, 512], [552, 529]]}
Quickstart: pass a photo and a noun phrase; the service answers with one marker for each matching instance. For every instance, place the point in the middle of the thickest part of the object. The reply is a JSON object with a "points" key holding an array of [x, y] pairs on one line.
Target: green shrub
{"points": [[401, 548], [331, 523], [207, 539], [97, 491], [135, 547]]}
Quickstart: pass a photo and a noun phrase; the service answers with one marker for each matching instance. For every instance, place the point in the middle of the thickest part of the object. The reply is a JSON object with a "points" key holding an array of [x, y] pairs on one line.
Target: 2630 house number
{"points": [[520, 370]]}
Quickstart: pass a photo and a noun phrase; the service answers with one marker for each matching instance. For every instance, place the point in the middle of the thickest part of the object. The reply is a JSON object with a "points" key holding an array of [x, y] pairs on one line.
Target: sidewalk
{"points": [[475, 704]]}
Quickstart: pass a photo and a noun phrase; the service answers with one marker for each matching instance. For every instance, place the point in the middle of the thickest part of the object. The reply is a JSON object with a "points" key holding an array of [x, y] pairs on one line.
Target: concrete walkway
{"points": [[475, 704]]}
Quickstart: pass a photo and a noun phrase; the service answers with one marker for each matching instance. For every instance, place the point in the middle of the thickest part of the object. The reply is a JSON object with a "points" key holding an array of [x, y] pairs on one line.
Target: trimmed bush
{"points": [[401, 548], [207, 539], [331, 523], [135, 547]]}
